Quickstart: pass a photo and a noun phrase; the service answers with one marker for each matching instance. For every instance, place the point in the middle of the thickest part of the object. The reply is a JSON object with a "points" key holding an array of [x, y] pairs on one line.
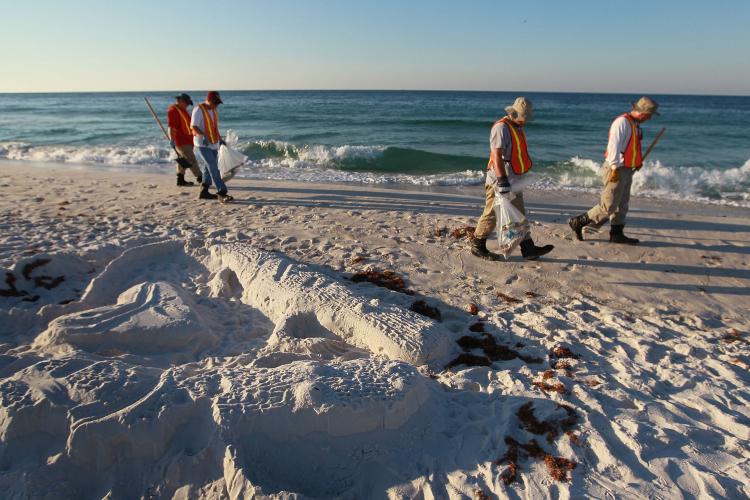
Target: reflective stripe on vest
{"points": [[185, 120], [520, 160], [211, 126], [632, 154]]}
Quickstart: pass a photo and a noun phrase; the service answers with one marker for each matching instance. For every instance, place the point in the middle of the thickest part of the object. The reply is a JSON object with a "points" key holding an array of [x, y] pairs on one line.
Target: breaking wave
{"points": [[656, 180], [393, 165], [104, 155]]}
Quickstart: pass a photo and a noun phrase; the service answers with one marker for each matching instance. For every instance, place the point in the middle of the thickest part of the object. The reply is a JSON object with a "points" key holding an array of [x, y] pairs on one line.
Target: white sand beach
{"points": [[156, 346]]}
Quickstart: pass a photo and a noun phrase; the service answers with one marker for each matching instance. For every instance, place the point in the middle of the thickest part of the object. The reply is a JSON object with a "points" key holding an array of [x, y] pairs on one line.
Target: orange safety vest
{"points": [[185, 120], [211, 126], [632, 157], [520, 160]]}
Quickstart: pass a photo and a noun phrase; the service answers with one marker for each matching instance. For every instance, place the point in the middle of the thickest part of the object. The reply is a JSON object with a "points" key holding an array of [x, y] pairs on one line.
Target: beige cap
{"points": [[646, 105], [521, 108]]}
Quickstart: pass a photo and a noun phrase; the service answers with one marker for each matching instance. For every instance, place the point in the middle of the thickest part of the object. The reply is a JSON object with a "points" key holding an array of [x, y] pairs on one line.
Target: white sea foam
{"points": [[300, 171], [657, 180], [105, 155], [279, 160], [328, 155]]}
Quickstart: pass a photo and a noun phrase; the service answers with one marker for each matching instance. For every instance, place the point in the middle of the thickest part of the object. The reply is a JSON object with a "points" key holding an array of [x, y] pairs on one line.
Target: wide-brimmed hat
{"points": [[520, 109], [184, 97], [646, 105], [214, 97]]}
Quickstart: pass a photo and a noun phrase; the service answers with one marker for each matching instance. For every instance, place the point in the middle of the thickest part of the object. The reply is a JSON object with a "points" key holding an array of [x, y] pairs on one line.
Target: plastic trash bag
{"points": [[231, 139], [230, 159], [512, 225]]}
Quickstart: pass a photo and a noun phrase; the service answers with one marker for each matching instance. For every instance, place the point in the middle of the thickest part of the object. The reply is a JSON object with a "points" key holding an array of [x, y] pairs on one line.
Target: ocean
{"points": [[398, 137]]}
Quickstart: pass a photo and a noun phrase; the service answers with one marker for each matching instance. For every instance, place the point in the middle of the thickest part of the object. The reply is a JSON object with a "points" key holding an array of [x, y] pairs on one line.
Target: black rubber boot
{"points": [[205, 195], [479, 249], [530, 251], [224, 197], [578, 223], [182, 182], [616, 236]]}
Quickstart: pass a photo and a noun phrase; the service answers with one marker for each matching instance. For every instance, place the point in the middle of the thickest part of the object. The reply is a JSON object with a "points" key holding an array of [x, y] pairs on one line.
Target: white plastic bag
{"points": [[230, 159], [512, 225]]}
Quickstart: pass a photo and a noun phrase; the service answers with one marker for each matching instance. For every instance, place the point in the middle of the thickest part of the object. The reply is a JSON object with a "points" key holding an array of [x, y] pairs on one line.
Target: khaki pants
{"points": [[615, 199], [187, 153], [488, 220]]}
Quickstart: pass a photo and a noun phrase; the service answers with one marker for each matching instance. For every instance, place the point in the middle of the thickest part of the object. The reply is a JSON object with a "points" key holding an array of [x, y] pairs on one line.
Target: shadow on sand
{"points": [[460, 205]]}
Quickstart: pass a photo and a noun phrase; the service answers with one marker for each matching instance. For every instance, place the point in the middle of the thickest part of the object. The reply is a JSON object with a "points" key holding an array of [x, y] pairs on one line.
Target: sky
{"points": [[634, 46]]}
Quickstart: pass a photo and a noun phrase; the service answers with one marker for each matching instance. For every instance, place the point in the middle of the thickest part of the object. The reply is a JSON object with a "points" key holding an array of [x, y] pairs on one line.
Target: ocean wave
{"points": [[656, 180], [730, 185], [379, 164], [311, 154], [104, 155], [361, 158]]}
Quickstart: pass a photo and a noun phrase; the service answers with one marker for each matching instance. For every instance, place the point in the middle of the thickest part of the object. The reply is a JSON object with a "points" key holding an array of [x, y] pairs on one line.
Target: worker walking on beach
{"points": [[509, 160], [181, 138], [206, 138], [622, 159]]}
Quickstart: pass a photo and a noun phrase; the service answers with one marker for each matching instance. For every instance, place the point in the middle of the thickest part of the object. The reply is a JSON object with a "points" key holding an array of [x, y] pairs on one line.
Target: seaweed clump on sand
{"points": [[551, 427], [464, 232], [562, 352], [557, 467], [423, 308], [547, 387], [385, 279], [732, 336], [560, 357], [513, 456], [490, 348]]}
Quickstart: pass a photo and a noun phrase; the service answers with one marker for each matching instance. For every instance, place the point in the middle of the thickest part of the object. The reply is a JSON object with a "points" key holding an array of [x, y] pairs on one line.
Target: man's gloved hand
{"points": [[614, 175], [171, 143], [503, 186]]}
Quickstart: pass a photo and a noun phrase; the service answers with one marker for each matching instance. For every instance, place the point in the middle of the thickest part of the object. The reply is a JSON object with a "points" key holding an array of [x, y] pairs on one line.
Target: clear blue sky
{"points": [[633, 46]]}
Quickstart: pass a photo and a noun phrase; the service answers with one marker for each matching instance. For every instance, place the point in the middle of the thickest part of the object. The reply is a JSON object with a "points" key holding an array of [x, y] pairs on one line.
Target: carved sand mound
{"points": [[279, 287], [305, 397], [166, 374], [149, 318]]}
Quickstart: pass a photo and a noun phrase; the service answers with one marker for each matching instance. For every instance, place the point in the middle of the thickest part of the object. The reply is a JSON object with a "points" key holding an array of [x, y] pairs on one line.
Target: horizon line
{"points": [[31, 92]]}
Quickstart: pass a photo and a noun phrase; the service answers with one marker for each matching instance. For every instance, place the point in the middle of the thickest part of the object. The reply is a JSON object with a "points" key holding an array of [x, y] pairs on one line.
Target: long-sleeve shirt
{"points": [[619, 135]]}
